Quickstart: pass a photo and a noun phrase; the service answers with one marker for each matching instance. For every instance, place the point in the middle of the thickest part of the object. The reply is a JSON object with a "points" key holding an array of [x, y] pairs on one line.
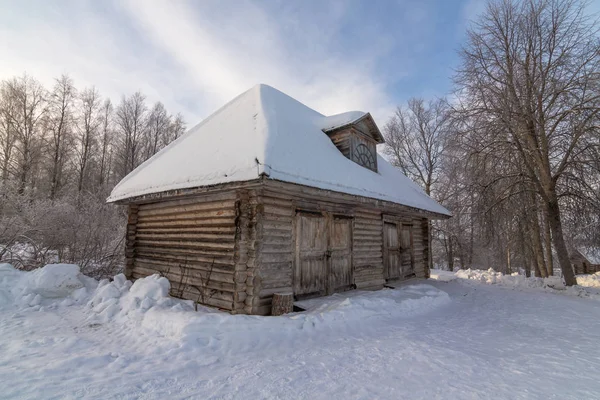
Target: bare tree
{"points": [[56, 165], [58, 123], [8, 136], [159, 123], [27, 107], [415, 139], [88, 125], [532, 66], [107, 135], [130, 118], [176, 129]]}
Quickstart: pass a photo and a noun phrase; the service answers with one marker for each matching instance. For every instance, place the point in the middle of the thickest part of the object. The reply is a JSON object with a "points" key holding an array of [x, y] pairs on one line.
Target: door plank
{"points": [[392, 249], [340, 252], [311, 254]]}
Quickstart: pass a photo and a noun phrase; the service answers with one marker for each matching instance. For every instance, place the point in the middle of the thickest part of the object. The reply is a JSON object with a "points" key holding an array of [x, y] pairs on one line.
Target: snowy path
{"points": [[486, 342]]}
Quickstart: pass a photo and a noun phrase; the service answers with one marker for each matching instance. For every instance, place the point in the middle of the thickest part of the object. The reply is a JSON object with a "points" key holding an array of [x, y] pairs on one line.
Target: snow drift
{"points": [[585, 287], [43, 286], [592, 281], [146, 302]]}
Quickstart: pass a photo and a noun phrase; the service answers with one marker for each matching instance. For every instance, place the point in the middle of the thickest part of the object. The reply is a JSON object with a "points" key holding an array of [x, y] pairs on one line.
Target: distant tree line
{"points": [[515, 152], [62, 150]]}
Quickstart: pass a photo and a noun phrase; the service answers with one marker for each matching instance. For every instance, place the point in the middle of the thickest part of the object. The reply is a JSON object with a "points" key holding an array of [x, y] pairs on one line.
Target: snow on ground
{"points": [[586, 284], [63, 335], [592, 280]]}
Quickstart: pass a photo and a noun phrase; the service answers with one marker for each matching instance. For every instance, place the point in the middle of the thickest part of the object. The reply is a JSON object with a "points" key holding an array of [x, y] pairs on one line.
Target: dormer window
{"points": [[356, 137], [365, 156]]}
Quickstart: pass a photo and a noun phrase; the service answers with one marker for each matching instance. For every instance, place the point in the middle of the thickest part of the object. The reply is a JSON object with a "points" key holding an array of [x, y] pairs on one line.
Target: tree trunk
{"points": [[24, 172], [558, 240], [471, 233], [524, 255], [536, 239], [536, 267], [450, 255], [548, 245]]}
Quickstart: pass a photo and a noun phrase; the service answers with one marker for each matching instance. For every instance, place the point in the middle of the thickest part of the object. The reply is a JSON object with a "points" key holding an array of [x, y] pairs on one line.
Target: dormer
{"points": [[356, 136]]}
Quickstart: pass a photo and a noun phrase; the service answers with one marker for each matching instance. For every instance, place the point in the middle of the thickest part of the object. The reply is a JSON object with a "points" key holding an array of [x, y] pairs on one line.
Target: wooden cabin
{"points": [[585, 261], [269, 196]]}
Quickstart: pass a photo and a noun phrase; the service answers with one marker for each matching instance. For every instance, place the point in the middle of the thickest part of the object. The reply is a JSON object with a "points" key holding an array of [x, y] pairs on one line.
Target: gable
{"points": [[356, 139], [357, 120]]}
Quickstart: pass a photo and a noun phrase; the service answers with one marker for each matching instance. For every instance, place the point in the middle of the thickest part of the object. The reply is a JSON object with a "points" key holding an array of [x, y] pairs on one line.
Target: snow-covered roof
{"points": [[338, 120], [334, 122], [592, 254], [264, 131]]}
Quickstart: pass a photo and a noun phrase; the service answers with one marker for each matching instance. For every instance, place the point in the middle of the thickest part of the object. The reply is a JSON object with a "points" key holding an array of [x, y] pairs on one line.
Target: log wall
{"points": [[275, 249], [192, 242], [367, 248], [276, 244], [234, 248], [245, 255]]}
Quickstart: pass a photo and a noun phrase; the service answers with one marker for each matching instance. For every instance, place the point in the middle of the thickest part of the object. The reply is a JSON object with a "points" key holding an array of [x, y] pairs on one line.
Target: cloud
{"points": [[93, 46], [334, 56], [226, 50]]}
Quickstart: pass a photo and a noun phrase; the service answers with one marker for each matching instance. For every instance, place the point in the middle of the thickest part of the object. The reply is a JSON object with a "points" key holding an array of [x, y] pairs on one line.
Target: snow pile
{"points": [[341, 311], [120, 298], [587, 285], [55, 280], [146, 303], [43, 286], [57, 285], [491, 277], [592, 280]]}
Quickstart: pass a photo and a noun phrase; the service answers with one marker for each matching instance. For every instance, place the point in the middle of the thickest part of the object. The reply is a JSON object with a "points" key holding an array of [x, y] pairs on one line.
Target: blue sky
{"points": [[334, 56]]}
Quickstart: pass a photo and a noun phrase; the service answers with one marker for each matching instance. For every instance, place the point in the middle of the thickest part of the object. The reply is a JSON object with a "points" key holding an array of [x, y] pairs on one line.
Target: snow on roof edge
{"points": [[336, 121], [263, 130], [113, 198]]}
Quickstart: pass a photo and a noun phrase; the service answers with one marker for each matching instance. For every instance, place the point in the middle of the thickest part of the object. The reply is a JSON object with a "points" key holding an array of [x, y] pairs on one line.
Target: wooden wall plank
{"points": [[192, 242]]}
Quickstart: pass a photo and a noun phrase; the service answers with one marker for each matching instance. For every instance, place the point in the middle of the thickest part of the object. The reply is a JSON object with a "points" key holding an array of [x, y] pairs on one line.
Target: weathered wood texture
{"points": [[247, 239], [283, 303], [275, 227], [405, 247], [234, 248], [342, 140], [347, 140], [323, 253], [192, 242], [368, 249], [130, 239], [581, 265]]}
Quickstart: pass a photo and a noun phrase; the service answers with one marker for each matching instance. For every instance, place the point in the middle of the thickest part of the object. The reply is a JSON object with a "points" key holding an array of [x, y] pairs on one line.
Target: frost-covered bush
{"points": [[82, 230]]}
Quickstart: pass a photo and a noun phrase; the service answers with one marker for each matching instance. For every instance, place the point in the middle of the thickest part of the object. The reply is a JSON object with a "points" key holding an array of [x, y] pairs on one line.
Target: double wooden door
{"points": [[323, 263], [398, 250]]}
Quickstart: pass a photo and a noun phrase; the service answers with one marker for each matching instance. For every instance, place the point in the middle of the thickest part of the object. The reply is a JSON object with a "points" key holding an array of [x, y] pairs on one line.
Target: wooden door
{"points": [[310, 275], [391, 251], [407, 251], [340, 254]]}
